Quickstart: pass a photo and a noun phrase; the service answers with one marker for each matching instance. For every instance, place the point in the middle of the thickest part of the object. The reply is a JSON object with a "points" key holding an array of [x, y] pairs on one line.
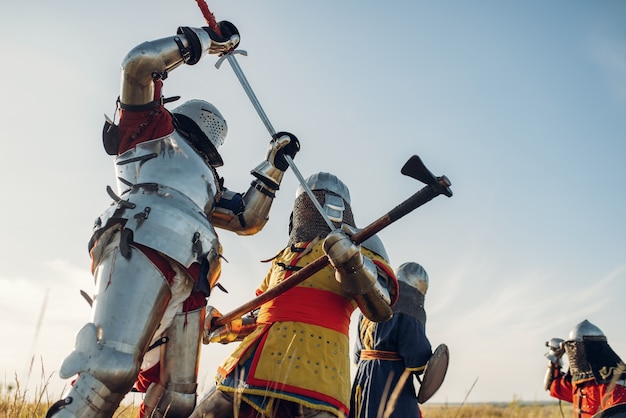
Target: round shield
{"points": [[616, 411], [434, 373]]}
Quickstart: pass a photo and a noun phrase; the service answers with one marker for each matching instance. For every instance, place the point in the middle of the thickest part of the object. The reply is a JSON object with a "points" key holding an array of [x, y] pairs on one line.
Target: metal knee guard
{"points": [[176, 395], [131, 297], [215, 404]]}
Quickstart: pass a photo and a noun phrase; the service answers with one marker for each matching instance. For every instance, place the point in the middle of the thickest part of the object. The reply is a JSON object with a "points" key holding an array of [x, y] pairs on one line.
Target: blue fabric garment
{"points": [[402, 334]]}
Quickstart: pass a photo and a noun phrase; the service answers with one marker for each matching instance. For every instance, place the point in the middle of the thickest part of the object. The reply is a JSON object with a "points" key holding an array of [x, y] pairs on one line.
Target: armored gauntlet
{"points": [[271, 171], [358, 276]]}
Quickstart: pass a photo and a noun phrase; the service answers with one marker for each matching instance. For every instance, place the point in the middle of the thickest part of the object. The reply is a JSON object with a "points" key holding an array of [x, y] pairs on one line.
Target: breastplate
{"points": [[167, 195], [168, 162]]}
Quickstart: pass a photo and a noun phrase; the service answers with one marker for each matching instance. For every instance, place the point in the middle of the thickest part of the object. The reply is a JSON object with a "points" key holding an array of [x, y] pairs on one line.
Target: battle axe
{"points": [[413, 168]]}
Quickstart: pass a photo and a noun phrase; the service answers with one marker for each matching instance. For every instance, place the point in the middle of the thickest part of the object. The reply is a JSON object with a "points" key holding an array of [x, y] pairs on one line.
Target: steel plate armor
{"points": [[155, 252], [108, 350], [167, 191]]}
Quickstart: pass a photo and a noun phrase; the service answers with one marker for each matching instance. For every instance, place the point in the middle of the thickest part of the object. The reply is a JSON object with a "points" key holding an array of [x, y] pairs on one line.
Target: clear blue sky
{"points": [[521, 104]]}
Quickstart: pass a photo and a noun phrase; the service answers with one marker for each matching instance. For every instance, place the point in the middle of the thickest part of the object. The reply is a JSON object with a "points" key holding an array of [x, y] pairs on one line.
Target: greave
{"points": [[175, 396], [215, 404], [132, 295]]}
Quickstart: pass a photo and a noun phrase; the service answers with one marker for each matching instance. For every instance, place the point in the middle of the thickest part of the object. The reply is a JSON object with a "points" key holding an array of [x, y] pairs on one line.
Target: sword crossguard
{"points": [[221, 59]]}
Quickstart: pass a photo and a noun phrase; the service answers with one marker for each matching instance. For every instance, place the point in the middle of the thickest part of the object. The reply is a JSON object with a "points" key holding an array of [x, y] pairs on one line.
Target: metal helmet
{"points": [[584, 331], [201, 123], [305, 222], [414, 275], [333, 203], [590, 355], [375, 244]]}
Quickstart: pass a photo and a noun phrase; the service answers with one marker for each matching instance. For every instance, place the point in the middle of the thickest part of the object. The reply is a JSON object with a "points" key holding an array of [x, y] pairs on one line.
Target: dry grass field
{"points": [[513, 409], [16, 408], [17, 403]]}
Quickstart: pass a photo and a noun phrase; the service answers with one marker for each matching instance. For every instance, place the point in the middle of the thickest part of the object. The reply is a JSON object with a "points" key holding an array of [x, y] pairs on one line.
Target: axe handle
{"points": [[423, 196], [293, 280]]}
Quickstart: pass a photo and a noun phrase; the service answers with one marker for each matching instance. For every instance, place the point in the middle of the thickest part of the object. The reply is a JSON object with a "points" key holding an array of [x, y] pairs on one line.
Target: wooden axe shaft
{"points": [[423, 196]]}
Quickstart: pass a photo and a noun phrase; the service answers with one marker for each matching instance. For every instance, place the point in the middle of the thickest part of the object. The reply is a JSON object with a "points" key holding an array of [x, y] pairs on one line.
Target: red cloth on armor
{"points": [[145, 125], [392, 277], [158, 260], [195, 301], [163, 264], [152, 375], [587, 396], [146, 377], [311, 306]]}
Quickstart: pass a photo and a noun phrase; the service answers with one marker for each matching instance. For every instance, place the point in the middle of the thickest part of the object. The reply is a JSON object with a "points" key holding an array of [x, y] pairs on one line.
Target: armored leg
{"points": [[215, 404], [132, 295], [175, 395], [288, 409]]}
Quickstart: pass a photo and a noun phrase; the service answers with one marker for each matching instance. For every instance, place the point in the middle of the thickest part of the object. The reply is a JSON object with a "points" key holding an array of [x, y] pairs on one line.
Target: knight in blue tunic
{"points": [[386, 353]]}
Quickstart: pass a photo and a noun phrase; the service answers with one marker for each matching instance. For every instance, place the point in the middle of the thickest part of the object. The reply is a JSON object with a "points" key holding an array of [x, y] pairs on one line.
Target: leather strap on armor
{"points": [[147, 106], [191, 55], [380, 355]]}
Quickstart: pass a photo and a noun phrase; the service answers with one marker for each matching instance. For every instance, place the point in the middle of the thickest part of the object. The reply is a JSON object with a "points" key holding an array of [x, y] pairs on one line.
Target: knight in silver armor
{"points": [[155, 252], [305, 328], [596, 378]]}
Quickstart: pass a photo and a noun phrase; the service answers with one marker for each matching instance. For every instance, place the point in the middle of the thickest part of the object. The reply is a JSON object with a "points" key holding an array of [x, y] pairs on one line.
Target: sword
{"points": [[232, 60], [210, 19]]}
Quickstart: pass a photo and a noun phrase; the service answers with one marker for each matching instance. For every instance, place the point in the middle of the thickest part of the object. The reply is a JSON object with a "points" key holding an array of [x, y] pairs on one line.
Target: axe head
{"points": [[416, 169], [434, 373]]}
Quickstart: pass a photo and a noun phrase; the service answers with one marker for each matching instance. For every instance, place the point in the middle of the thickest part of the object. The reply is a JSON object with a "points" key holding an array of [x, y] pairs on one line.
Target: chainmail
{"points": [[410, 302], [306, 222], [594, 359], [579, 367]]}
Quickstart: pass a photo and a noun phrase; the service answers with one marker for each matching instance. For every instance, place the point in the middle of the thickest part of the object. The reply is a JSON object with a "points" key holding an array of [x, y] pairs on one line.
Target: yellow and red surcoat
{"points": [[300, 349]]}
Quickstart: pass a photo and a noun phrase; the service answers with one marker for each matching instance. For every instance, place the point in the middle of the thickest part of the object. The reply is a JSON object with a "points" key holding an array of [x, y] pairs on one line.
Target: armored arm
{"points": [[236, 330], [554, 356], [154, 59], [370, 286], [247, 214]]}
